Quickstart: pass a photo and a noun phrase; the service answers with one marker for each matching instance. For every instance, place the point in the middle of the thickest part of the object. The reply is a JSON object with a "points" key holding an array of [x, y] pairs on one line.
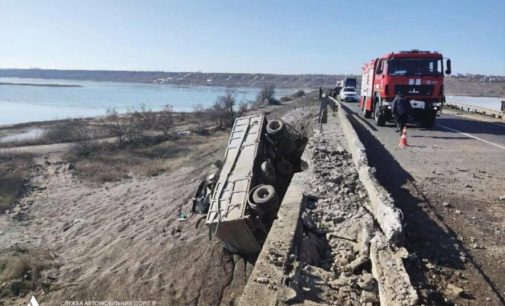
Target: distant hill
{"points": [[459, 84], [181, 78], [475, 85]]}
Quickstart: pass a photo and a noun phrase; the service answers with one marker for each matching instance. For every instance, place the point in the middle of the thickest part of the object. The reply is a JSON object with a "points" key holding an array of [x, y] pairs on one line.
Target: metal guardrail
{"points": [[479, 110]]}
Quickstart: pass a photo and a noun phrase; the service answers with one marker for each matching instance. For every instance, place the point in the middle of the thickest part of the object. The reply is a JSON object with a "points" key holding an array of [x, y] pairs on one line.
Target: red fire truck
{"points": [[418, 75]]}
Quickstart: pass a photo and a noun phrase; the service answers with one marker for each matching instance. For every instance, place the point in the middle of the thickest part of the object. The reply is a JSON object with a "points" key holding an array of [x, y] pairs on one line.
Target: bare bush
{"points": [[165, 119], [126, 128], [13, 173], [266, 96], [201, 114], [222, 113], [26, 269], [67, 131], [243, 107], [299, 93], [145, 118]]}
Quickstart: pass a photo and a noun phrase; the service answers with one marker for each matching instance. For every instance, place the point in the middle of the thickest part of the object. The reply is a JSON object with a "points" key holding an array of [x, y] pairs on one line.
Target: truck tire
{"points": [[429, 121], [275, 127], [265, 196], [366, 113], [378, 117], [268, 171]]}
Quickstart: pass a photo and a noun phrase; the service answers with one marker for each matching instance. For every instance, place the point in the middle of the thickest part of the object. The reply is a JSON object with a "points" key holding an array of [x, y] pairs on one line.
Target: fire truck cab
{"points": [[418, 75]]}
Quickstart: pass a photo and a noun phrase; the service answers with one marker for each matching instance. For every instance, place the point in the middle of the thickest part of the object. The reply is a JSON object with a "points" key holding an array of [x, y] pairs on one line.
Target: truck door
{"points": [[379, 75]]}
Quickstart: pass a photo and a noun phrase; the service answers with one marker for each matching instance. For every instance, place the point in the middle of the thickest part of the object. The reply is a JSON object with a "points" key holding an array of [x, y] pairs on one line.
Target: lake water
{"points": [[37, 103], [493, 103]]}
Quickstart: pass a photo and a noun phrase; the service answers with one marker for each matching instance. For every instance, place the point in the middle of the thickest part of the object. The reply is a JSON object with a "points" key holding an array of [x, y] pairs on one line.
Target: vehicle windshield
{"points": [[415, 66], [349, 90]]}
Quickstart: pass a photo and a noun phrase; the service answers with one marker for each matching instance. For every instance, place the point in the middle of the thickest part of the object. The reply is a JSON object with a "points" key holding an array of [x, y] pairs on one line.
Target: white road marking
{"points": [[471, 136]]}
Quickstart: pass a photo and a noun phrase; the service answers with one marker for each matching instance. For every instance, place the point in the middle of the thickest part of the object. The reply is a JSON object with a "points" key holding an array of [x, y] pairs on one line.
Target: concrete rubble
{"points": [[325, 248]]}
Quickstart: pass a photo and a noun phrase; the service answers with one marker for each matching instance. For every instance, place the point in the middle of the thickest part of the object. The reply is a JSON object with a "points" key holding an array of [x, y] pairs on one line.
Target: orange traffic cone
{"points": [[403, 140]]}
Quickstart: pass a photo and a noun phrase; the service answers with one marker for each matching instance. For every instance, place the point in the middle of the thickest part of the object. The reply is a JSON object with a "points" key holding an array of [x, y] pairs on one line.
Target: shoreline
{"points": [[40, 85]]}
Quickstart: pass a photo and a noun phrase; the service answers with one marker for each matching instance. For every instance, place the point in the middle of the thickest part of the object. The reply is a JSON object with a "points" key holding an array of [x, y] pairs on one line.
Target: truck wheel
{"points": [[379, 118], [265, 196], [366, 113], [275, 127], [429, 121], [268, 171]]}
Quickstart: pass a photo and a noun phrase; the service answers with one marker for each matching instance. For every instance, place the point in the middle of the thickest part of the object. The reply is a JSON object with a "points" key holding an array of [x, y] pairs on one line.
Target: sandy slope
{"points": [[122, 241]]}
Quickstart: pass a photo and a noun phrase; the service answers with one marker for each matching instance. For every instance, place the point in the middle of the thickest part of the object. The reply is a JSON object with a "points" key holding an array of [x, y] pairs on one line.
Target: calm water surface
{"points": [[37, 103], [486, 102]]}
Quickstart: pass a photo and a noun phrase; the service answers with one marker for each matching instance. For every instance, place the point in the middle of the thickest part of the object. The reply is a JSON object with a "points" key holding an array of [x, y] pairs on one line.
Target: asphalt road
{"points": [[447, 125], [448, 183]]}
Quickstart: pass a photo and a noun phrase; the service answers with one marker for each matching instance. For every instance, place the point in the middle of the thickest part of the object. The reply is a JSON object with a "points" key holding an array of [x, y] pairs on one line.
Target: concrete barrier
{"points": [[382, 205], [268, 282], [388, 269]]}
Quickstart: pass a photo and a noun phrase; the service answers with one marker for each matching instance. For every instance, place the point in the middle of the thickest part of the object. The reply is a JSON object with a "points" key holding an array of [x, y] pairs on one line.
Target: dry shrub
{"points": [[299, 93], [68, 131], [165, 119], [13, 172], [25, 270], [136, 127], [221, 112], [110, 162], [266, 96], [243, 107]]}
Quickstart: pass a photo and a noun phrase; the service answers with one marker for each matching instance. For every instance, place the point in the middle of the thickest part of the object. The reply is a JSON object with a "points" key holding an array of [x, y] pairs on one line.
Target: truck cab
{"points": [[418, 75]]}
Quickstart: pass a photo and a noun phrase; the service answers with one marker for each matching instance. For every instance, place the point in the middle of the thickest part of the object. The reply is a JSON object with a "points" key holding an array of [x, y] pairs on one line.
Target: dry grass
{"points": [[109, 162], [25, 269], [13, 172]]}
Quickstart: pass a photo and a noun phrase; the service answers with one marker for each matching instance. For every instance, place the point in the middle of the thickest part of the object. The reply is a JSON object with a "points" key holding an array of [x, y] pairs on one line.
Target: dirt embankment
{"points": [[70, 237], [120, 241]]}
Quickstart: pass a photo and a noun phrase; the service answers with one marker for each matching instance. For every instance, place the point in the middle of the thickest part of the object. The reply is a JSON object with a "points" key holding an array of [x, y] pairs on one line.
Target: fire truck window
{"points": [[414, 67]]}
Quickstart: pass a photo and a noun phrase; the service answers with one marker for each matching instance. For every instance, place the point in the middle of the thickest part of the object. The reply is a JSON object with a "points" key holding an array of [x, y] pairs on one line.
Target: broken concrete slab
{"points": [[395, 287], [352, 268], [382, 206]]}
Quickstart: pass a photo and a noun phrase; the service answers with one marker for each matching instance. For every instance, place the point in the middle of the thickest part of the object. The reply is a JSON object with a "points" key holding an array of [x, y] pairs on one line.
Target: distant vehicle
{"points": [[259, 162], [347, 82], [349, 94], [418, 75], [350, 82]]}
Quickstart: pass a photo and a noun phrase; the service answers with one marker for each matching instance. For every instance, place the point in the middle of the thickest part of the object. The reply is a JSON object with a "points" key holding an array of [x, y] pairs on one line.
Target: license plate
{"points": [[417, 104]]}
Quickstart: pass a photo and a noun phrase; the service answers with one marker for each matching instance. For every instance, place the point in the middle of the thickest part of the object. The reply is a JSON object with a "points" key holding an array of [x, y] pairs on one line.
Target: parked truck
{"points": [[260, 160], [418, 75]]}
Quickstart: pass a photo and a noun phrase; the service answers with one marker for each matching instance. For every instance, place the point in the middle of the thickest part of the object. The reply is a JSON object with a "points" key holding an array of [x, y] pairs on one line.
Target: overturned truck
{"points": [[259, 162]]}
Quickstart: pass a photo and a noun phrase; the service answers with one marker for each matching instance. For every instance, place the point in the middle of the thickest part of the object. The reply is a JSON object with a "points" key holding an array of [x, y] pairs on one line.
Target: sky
{"points": [[260, 36]]}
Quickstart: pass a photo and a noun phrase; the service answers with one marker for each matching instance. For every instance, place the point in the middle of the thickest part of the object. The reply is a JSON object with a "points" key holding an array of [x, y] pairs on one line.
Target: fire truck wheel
{"points": [[429, 121], [378, 116], [275, 127], [265, 195]]}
